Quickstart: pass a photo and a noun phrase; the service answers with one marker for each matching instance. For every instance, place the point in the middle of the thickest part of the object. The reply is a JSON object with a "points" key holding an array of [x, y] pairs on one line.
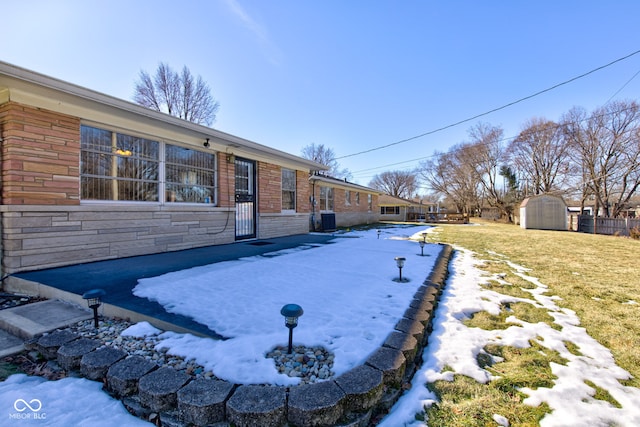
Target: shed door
{"points": [[245, 199]]}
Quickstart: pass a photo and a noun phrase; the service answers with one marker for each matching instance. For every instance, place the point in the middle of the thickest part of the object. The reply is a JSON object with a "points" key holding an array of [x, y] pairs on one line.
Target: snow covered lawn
{"points": [[456, 346], [69, 402], [346, 289], [351, 303]]}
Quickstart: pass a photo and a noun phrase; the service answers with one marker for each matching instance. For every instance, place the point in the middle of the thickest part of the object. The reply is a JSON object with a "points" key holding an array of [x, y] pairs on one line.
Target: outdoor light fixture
{"points": [[206, 143], [94, 300], [291, 312], [424, 237], [400, 261], [124, 153], [422, 243], [379, 231]]}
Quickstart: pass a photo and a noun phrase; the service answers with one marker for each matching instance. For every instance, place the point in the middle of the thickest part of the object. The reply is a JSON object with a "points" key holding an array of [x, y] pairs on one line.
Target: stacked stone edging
{"points": [[173, 398]]}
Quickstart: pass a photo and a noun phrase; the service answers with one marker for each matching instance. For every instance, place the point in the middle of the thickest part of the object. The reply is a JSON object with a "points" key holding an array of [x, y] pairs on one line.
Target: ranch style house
{"points": [[87, 177]]}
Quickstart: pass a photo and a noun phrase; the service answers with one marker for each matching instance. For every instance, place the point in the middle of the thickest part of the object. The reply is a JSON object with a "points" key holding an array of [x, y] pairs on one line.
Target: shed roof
{"points": [[537, 197]]}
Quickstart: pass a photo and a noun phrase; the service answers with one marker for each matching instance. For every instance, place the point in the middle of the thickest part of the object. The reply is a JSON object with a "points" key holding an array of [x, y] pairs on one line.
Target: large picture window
{"points": [[288, 190], [121, 167], [118, 167]]}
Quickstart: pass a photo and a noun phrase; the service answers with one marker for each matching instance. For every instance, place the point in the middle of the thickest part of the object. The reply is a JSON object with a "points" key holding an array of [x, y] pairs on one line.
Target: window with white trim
{"points": [[326, 198], [347, 197], [288, 190], [370, 201], [389, 210]]}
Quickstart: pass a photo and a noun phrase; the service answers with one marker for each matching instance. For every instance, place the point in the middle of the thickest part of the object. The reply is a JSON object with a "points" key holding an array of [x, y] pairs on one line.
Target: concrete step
{"points": [[10, 344], [27, 321], [21, 323]]}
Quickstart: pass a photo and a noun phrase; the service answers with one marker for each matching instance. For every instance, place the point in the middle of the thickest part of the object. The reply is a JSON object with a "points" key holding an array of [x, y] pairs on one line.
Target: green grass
{"points": [[465, 402], [7, 369], [595, 276], [602, 394], [522, 310]]}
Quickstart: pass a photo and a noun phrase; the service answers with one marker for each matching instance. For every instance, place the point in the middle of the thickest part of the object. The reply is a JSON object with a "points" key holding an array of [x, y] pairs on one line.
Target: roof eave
{"points": [[30, 80]]}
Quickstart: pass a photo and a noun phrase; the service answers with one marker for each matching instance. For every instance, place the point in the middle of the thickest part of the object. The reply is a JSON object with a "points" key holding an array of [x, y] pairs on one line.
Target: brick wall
{"points": [[349, 214], [226, 181], [303, 191], [40, 156], [269, 188]]}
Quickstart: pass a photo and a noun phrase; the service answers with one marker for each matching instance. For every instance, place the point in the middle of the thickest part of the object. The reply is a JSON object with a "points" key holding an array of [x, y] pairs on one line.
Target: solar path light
{"points": [[94, 300], [291, 312], [379, 231], [422, 247], [400, 262]]}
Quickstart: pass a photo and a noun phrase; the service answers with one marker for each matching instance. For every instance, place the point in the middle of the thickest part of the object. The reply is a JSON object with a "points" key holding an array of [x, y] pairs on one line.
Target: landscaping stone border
{"points": [[172, 398]]}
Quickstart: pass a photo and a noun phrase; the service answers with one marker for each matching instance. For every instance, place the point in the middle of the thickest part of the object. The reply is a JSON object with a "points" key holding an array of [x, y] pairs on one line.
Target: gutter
{"points": [[29, 81]]}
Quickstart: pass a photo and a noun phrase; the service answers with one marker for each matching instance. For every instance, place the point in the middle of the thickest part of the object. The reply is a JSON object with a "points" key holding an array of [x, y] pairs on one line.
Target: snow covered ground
{"points": [[454, 345], [346, 290], [351, 303]]}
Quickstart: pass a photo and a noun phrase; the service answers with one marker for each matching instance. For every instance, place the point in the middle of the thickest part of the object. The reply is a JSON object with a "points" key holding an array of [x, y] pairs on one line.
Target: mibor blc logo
{"points": [[28, 410]]}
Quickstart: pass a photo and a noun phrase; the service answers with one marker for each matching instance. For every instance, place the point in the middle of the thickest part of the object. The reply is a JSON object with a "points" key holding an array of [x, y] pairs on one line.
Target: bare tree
{"points": [[450, 175], [487, 155], [325, 156], [540, 156], [396, 183], [607, 148], [178, 94]]}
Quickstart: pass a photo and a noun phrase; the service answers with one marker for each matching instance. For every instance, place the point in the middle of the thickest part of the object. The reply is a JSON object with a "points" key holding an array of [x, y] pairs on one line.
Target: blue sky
{"points": [[352, 75]]}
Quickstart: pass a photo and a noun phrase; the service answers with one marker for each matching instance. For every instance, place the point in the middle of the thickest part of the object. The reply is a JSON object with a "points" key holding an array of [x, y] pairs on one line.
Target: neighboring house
{"points": [[87, 177], [397, 209], [338, 203], [576, 210], [394, 208]]}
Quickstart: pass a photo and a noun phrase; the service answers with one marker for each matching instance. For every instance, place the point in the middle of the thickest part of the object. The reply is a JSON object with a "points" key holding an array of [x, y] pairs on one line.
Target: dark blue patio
{"points": [[118, 277]]}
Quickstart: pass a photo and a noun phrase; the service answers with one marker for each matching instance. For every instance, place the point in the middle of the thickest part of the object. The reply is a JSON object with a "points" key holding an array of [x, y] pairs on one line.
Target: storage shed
{"points": [[543, 212]]}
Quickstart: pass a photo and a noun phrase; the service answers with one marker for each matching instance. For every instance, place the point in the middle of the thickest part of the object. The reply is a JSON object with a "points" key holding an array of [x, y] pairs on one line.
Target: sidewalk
{"points": [[118, 278]]}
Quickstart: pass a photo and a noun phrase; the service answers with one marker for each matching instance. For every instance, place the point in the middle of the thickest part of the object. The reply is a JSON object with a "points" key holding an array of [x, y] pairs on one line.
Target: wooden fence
{"points": [[609, 226], [437, 218]]}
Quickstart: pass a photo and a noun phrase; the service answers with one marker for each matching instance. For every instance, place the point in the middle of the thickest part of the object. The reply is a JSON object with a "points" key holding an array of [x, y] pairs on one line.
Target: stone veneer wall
{"points": [[271, 225], [37, 237], [347, 219], [356, 398]]}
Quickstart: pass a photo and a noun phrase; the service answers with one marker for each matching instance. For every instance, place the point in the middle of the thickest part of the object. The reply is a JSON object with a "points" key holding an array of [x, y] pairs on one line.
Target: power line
{"points": [[491, 111], [508, 138], [623, 86]]}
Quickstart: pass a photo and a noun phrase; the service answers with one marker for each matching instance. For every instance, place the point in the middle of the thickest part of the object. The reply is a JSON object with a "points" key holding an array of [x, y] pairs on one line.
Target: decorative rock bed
{"points": [[174, 392], [310, 364]]}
